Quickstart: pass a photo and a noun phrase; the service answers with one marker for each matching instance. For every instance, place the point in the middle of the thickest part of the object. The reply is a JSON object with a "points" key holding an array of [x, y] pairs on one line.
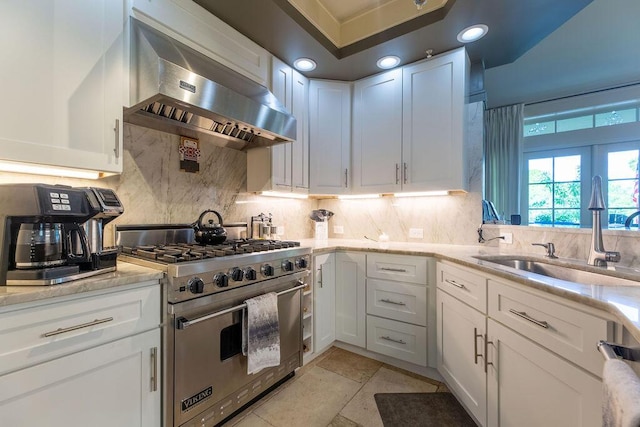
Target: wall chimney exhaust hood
{"points": [[178, 90]]}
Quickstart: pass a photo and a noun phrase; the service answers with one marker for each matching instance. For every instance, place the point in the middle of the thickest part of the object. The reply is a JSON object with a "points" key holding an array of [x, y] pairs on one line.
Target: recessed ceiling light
{"points": [[304, 64], [387, 62], [472, 33]]}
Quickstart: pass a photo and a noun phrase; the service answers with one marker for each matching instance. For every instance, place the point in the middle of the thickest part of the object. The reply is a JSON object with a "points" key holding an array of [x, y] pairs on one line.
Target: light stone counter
{"points": [[126, 274], [621, 301]]}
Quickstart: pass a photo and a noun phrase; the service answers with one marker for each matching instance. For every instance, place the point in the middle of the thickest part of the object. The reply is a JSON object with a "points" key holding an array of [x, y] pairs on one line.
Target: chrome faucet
{"points": [[551, 249], [597, 254]]}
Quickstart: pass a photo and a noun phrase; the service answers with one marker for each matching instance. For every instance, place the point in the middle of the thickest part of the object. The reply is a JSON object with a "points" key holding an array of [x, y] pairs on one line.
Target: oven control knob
{"points": [[287, 265], [236, 274], [221, 280], [301, 263], [267, 270], [196, 285], [250, 274]]}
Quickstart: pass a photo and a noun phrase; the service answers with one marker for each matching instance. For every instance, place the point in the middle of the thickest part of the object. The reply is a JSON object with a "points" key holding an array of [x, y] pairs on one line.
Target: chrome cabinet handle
{"points": [[396, 270], [541, 323], [116, 129], [454, 283], [320, 280], [391, 302], [154, 369], [397, 173], [392, 340], [486, 353], [76, 327], [346, 178], [405, 173], [476, 335]]}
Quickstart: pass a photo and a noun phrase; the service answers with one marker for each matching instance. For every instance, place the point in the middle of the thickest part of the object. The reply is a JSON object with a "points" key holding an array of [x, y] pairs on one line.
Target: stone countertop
{"points": [[126, 274], [621, 301]]}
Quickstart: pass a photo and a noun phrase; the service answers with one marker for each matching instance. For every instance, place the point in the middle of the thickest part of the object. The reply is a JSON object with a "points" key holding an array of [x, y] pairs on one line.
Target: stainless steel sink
{"points": [[576, 274]]}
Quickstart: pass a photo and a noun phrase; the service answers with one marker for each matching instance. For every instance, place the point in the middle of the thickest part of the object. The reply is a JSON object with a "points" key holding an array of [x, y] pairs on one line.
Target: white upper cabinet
{"points": [[284, 167], [433, 124], [64, 73], [377, 133], [329, 137], [194, 26]]}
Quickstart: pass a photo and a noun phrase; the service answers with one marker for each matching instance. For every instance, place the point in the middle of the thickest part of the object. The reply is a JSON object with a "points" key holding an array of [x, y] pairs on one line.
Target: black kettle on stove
{"points": [[210, 232]]}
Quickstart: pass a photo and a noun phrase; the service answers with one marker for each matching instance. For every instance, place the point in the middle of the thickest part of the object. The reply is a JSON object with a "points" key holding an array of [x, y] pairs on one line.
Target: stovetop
{"points": [[184, 252]]}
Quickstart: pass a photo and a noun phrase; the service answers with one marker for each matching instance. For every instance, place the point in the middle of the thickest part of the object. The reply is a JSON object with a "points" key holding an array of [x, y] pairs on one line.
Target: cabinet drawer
{"points": [[41, 333], [464, 284], [397, 301], [397, 339], [403, 268], [566, 331]]}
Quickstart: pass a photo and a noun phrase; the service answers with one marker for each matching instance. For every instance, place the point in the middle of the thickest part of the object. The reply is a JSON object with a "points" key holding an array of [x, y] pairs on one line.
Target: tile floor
{"points": [[334, 390]]}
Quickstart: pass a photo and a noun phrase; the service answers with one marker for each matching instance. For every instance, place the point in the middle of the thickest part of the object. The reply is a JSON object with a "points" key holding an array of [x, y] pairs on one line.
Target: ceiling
{"points": [[515, 26]]}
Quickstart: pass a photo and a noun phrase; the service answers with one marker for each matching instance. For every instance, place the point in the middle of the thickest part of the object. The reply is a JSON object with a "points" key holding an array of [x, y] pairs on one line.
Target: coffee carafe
{"points": [[42, 241]]}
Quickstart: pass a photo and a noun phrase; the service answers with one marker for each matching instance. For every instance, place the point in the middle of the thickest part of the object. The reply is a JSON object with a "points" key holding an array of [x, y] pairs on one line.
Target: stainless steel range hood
{"points": [[176, 89]]}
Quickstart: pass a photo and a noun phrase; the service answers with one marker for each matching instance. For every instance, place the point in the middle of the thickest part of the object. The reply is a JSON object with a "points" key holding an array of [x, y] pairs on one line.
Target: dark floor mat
{"points": [[421, 409]]}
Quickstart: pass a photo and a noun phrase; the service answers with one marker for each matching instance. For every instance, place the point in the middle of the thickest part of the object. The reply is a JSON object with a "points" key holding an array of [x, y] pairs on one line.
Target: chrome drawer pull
{"points": [[76, 327], [395, 270], [392, 340], [454, 283], [525, 316], [391, 302]]}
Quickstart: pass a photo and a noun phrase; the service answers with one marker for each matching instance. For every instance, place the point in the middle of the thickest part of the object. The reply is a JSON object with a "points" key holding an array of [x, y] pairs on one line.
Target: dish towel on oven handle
{"points": [[261, 333], [621, 395]]}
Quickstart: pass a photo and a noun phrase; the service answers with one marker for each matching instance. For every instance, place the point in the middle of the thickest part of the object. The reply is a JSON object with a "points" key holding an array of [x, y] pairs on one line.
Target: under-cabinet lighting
{"points": [[284, 195], [422, 194], [18, 167], [358, 196]]}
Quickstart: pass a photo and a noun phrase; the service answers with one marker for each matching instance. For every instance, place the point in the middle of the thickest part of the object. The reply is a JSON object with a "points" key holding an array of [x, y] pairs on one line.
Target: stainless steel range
{"points": [[205, 372]]}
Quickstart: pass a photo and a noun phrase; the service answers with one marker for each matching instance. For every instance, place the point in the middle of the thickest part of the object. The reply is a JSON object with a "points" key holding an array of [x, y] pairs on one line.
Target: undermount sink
{"points": [[555, 271]]}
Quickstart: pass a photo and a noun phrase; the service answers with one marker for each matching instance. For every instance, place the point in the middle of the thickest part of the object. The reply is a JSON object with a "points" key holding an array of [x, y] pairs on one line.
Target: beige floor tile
{"points": [[442, 388], [362, 408], [252, 420], [413, 375], [340, 421], [350, 365], [313, 400]]}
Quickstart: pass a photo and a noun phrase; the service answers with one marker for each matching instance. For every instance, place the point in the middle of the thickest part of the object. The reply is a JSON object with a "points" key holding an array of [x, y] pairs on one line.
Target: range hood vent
{"points": [[176, 89]]}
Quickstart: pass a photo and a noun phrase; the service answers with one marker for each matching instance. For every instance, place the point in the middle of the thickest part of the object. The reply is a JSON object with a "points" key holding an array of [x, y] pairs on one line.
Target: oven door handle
{"points": [[183, 323]]}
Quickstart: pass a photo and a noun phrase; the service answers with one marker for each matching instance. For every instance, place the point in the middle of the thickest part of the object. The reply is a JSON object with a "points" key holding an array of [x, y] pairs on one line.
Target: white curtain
{"points": [[503, 157]]}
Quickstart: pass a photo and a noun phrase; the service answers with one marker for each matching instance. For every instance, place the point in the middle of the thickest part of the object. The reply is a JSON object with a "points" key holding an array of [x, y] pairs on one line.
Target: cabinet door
{"points": [[351, 298], [531, 386], [377, 133], [281, 86], [460, 338], [329, 137], [106, 386], [433, 123], [324, 286], [300, 148], [64, 104]]}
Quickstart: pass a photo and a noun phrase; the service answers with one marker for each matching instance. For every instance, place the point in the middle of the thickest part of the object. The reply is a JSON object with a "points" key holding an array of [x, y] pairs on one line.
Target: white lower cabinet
{"points": [[324, 288], [460, 349], [401, 340], [350, 299], [87, 359], [529, 385], [522, 359], [105, 386]]}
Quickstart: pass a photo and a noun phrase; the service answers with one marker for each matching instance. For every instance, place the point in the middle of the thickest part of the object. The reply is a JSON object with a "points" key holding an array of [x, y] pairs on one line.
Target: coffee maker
{"points": [[106, 203], [43, 241]]}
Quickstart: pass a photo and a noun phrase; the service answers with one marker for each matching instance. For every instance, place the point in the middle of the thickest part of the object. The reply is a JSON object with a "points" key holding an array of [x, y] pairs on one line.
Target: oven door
{"points": [[209, 365]]}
